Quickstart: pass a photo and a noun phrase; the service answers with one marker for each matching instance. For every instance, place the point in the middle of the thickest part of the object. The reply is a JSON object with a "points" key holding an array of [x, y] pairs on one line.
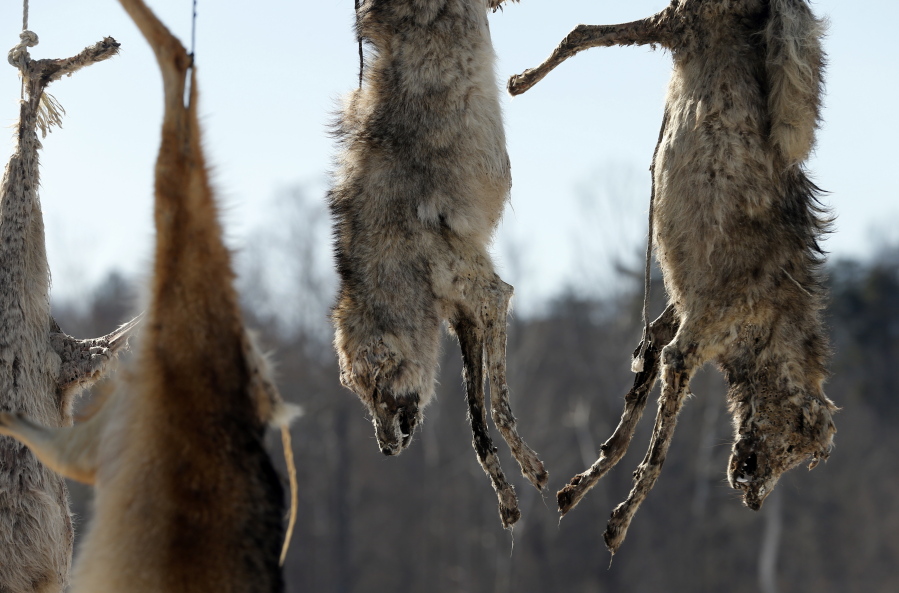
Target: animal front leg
{"points": [[676, 377], [661, 332], [472, 344], [651, 30], [85, 361], [494, 310], [44, 72]]}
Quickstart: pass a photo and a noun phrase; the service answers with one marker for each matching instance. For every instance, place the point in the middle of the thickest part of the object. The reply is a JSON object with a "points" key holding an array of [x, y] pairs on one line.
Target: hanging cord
{"points": [[359, 39], [24, 28], [49, 111], [18, 55], [193, 31], [193, 49], [639, 361]]}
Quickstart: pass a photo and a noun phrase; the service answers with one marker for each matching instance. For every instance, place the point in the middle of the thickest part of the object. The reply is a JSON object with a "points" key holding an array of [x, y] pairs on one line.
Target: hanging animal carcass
{"points": [[186, 497], [42, 369], [736, 223], [422, 180]]}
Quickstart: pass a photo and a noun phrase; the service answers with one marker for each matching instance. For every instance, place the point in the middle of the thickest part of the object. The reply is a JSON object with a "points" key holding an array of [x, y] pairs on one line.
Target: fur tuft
{"points": [[794, 64]]}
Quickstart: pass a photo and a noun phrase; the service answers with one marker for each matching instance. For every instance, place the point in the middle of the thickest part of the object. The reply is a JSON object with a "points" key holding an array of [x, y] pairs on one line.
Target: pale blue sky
{"points": [[271, 75]]}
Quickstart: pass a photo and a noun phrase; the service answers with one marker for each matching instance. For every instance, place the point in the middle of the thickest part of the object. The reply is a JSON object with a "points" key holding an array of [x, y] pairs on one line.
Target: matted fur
{"points": [[421, 183], [736, 227], [187, 499], [41, 368]]}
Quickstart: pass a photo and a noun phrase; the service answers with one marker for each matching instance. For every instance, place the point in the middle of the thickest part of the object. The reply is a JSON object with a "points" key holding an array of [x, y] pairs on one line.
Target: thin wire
{"points": [[359, 38], [193, 31], [647, 278], [188, 94]]}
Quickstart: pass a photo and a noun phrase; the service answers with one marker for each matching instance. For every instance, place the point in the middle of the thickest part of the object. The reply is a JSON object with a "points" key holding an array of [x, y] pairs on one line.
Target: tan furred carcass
{"points": [[187, 499], [421, 182], [736, 224], [42, 369]]}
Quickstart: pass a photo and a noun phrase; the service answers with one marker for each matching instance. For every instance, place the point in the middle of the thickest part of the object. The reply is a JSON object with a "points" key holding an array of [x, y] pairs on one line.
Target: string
{"points": [[639, 362], [193, 31], [24, 28], [193, 50], [359, 37]]}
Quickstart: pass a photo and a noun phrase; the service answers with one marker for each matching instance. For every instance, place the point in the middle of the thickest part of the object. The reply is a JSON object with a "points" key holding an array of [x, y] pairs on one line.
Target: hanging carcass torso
{"points": [[422, 180]]}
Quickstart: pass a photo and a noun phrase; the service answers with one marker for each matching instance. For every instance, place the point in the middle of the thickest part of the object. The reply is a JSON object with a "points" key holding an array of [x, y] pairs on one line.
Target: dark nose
{"points": [[390, 449]]}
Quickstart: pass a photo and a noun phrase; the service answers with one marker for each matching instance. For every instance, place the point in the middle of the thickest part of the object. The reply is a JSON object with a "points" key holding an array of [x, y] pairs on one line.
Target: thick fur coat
{"points": [[187, 499], [736, 222], [421, 183]]}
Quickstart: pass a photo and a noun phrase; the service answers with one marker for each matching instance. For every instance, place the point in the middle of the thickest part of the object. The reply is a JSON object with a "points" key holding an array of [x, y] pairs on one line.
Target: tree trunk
{"points": [[771, 543]]}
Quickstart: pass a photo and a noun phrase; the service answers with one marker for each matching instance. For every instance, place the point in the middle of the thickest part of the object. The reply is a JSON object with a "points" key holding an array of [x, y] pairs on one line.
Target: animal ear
{"points": [[794, 64], [70, 451]]}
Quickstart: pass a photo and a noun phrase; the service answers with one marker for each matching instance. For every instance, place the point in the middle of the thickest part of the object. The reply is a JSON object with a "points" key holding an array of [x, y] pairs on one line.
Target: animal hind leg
{"points": [[494, 310], [471, 341], [679, 360], [661, 332]]}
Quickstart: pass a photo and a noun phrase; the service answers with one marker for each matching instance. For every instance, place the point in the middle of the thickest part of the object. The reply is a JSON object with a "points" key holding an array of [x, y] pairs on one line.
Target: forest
{"points": [[426, 521]]}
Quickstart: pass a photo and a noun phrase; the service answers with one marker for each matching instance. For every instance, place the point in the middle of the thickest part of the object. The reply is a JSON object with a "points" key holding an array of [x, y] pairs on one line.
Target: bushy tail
{"points": [[794, 65]]}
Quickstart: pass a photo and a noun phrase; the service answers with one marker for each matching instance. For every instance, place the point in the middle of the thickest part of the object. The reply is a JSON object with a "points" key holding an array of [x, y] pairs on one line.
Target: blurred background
{"points": [[571, 243], [427, 521]]}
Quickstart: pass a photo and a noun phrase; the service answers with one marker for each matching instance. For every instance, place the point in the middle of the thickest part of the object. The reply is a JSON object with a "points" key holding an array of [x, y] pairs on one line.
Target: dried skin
{"points": [[736, 224], [422, 180], [41, 369]]}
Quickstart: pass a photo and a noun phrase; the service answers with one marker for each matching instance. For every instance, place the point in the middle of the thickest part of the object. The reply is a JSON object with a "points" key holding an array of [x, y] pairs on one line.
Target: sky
{"points": [[270, 80]]}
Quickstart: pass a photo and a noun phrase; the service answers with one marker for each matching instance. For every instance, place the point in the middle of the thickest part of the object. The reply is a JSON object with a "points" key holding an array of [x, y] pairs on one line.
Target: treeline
{"points": [[427, 521]]}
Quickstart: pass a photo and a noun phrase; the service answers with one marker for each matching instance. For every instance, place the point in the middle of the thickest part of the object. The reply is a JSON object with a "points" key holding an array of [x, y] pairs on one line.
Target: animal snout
{"points": [[749, 472], [394, 429], [746, 467]]}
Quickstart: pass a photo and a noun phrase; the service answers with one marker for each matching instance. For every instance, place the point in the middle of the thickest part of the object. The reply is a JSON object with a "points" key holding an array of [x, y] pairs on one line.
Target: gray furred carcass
{"points": [[736, 226], [42, 369], [421, 182]]}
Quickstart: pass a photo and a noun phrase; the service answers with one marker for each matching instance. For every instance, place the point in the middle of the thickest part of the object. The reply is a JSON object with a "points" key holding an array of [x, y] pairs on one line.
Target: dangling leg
{"points": [[661, 331], [472, 343], [70, 451], [493, 317], [679, 360]]}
